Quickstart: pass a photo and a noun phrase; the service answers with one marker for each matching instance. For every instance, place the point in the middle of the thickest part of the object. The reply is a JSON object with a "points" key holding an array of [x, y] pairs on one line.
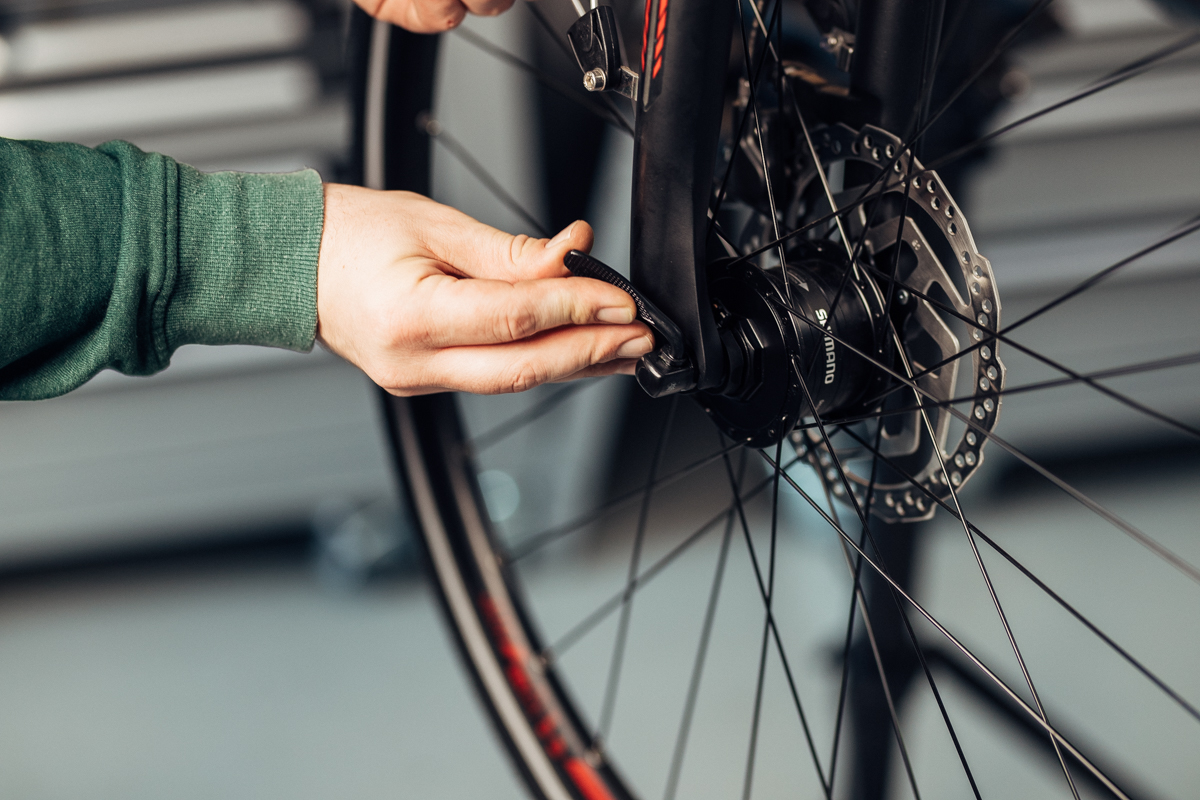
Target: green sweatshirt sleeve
{"points": [[111, 258]]}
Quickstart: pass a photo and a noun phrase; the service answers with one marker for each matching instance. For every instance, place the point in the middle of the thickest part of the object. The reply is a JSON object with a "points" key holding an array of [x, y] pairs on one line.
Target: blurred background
{"points": [[208, 584]]}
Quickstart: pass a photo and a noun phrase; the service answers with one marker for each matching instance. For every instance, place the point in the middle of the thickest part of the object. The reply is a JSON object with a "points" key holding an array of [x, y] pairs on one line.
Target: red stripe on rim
{"points": [[590, 785]]}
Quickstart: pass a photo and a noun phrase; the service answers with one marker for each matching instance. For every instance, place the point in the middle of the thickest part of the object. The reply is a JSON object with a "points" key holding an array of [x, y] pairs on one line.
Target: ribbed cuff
{"points": [[248, 247]]}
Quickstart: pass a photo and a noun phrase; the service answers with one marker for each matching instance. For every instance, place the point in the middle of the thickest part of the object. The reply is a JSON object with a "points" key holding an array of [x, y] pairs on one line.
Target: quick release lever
{"points": [[669, 368]]}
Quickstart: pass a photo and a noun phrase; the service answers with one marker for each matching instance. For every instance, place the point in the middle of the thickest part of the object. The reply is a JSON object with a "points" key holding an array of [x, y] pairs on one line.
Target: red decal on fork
{"points": [[654, 37], [660, 37], [646, 39]]}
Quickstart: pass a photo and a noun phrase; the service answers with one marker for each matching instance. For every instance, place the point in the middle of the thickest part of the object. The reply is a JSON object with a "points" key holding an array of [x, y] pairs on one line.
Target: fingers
{"points": [[480, 251], [453, 312], [550, 356], [618, 366], [488, 8], [431, 16]]}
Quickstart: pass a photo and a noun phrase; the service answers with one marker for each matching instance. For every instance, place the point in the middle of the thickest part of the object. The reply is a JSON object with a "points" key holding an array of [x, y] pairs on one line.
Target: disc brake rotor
{"points": [[916, 247]]}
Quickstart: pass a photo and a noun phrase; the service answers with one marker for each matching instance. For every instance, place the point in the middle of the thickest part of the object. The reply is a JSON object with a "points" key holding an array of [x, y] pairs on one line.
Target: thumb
{"points": [[520, 258]]}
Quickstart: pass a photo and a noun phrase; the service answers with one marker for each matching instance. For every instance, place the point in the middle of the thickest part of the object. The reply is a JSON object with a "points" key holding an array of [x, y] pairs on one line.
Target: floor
{"points": [[249, 677]]}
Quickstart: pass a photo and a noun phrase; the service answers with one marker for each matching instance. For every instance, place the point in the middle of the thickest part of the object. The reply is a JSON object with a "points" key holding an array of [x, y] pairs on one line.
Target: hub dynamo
{"points": [[811, 357]]}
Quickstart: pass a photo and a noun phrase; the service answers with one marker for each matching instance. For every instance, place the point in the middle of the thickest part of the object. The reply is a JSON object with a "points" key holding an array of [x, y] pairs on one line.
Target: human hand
{"points": [[431, 16], [423, 298]]}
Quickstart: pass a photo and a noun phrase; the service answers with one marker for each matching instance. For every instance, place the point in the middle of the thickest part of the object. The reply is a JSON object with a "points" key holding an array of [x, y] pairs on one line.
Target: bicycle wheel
{"points": [[817, 609]]}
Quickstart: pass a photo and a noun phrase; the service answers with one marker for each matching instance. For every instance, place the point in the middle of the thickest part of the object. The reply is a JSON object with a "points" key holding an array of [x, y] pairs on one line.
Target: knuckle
{"points": [[516, 324], [517, 245], [523, 376]]}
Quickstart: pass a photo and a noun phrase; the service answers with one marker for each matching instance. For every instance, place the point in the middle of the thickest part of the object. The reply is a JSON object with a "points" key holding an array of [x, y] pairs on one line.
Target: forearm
{"points": [[113, 258]]}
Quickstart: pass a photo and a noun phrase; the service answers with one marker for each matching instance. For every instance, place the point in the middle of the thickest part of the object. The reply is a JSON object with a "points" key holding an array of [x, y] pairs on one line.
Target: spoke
{"points": [[1142, 538], [1012, 695], [862, 517], [748, 781], [987, 578], [588, 623], [1070, 609], [439, 134], [858, 599], [866, 195], [1123, 74], [517, 422], [748, 778], [762, 150], [1163, 552], [710, 613], [1133, 369], [856, 590], [618, 653], [1074, 377], [1191, 227], [550, 82], [534, 542], [762, 590], [720, 198]]}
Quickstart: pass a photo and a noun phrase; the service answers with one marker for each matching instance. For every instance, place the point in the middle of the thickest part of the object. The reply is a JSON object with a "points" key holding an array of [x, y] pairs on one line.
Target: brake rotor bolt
{"points": [[594, 80]]}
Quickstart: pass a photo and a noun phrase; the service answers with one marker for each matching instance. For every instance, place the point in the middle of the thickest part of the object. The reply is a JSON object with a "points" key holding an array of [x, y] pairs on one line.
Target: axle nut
{"points": [[594, 80]]}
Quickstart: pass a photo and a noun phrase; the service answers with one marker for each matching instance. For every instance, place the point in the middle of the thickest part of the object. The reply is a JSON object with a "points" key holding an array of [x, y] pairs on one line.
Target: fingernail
{"points": [[617, 316], [562, 236], [635, 347]]}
